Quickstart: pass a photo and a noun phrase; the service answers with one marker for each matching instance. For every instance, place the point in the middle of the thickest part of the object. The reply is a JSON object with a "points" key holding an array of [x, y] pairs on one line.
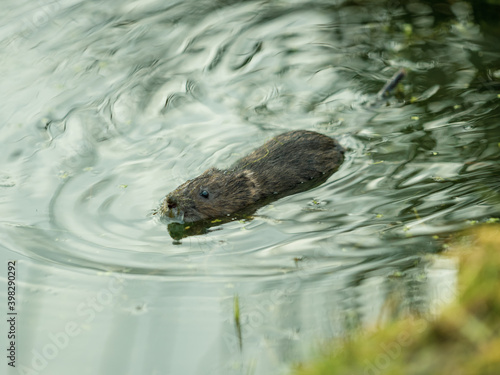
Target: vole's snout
{"points": [[171, 203], [171, 209]]}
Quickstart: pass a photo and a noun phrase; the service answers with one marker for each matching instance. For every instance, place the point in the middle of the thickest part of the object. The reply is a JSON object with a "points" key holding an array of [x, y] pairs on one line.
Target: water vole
{"points": [[285, 165]]}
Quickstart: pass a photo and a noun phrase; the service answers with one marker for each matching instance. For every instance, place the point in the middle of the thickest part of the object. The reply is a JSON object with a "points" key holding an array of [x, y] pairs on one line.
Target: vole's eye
{"points": [[204, 194]]}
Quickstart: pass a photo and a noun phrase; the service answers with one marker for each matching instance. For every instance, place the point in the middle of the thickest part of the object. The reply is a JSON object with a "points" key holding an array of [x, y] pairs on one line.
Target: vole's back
{"points": [[292, 158]]}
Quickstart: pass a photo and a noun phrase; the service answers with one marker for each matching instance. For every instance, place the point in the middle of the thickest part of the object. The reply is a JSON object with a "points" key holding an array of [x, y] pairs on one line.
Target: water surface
{"points": [[108, 106]]}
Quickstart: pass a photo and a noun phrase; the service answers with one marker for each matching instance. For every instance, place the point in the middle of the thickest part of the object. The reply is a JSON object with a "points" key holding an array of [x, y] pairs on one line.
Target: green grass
{"points": [[463, 339]]}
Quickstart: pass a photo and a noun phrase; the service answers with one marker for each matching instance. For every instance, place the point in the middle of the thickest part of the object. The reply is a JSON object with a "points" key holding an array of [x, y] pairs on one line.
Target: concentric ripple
{"points": [[160, 95]]}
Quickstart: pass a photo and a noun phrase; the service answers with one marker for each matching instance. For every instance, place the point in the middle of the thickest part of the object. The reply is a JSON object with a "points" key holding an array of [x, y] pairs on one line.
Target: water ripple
{"points": [[152, 95]]}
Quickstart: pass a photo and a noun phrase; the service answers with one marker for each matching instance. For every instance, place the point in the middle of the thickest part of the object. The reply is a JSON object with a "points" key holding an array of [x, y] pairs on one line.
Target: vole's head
{"points": [[213, 194]]}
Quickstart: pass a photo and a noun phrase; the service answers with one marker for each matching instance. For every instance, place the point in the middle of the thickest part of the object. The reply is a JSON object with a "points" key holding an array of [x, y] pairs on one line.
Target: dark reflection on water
{"points": [[109, 106]]}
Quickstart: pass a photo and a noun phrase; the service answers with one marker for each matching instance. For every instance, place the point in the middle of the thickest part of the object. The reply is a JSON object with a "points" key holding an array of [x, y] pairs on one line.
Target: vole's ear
{"points": [[209, 172]]}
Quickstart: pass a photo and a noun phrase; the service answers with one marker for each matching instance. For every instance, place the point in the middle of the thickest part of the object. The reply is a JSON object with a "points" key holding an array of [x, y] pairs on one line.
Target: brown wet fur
{"points": [[288, 163]]}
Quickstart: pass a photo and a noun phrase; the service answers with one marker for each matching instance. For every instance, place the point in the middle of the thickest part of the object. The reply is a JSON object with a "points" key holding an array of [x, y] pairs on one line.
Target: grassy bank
{"points": [[464, 339]]}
